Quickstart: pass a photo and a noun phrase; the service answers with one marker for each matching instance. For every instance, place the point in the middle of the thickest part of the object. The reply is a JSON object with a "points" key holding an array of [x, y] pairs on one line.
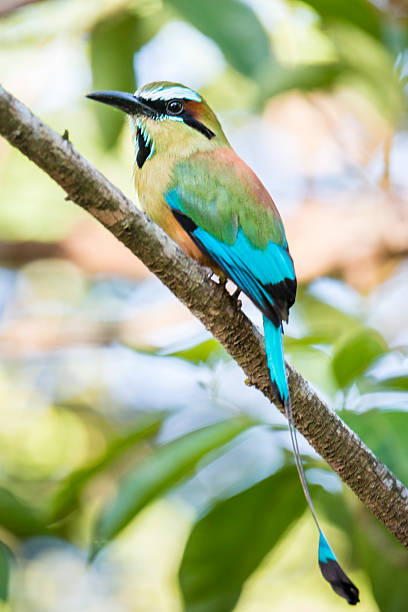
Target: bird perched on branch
{"points": [[191, 182]]}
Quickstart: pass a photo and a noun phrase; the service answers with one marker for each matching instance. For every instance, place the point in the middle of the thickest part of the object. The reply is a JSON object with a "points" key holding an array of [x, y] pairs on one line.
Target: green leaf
{"points": [[114, 41], [291, 343], [5, 561], [18, 517], [229, 542], [303, 78], [355, 353], [234, 27], [66, 498], [209, 351], [322, 319], [369, 384], [362, 14], [167, 466], [369, 62], [315, 365], [385, 562], [386, 433]]}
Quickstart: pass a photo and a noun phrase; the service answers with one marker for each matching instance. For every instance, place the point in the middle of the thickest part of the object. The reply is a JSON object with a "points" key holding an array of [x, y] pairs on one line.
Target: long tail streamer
{"points": [[328, 563]]}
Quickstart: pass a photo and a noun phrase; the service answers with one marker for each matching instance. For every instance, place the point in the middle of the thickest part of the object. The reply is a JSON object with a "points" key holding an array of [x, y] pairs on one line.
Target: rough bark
{"points": [[372, 481]]}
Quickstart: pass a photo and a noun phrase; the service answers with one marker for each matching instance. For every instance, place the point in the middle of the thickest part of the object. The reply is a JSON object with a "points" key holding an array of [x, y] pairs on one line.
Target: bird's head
{"points": [[168, 118]]}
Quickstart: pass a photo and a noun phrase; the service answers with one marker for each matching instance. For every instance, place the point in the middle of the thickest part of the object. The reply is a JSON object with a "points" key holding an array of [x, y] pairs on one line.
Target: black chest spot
{"points": [[144, 147]]}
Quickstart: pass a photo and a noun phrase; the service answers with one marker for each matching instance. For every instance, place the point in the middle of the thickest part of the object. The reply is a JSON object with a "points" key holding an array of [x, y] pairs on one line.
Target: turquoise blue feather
{"points": [[259, 272], [325, 551], [275, 359]]}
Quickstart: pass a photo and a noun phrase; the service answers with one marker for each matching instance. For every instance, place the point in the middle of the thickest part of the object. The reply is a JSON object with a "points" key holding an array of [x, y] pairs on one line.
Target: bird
{"points": [[190, 181]]}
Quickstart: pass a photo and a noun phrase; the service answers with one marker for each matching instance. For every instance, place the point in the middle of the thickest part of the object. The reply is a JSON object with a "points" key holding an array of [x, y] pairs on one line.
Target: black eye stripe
{"points": [[160, 109], [159, 106], [197, 125]]}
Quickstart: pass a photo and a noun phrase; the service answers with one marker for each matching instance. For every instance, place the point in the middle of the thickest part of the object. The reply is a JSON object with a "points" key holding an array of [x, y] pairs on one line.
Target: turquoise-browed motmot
{"points": [[191, 182]]}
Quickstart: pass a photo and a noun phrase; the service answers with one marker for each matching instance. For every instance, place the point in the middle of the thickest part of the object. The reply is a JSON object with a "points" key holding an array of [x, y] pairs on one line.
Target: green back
{"points": [[220, 194]]}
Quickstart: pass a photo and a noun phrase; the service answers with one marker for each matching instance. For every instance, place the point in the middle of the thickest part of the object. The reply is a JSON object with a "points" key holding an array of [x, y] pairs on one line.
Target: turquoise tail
{"points": [[328, 563], [331, 570], [275, 359]]}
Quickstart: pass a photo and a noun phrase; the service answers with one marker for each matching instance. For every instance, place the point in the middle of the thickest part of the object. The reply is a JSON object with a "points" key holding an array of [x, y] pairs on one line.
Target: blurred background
{"points": [[110, 387]]}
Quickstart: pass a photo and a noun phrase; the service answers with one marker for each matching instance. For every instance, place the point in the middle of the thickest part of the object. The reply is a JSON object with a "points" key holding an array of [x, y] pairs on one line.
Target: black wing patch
{"points": [[186, 223], [283, 295]]}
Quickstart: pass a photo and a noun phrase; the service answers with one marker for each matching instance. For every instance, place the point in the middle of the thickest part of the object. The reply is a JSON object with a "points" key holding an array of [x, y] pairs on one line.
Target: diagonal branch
{"points": [[374, 484]]}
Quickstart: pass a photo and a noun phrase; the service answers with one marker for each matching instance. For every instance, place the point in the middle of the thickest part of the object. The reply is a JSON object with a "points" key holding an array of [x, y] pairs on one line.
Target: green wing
{"points": [[220, 193]]}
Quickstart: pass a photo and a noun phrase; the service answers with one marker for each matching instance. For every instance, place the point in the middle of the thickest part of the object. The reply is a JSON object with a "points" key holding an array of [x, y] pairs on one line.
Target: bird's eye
{"points": [[174, 107]]}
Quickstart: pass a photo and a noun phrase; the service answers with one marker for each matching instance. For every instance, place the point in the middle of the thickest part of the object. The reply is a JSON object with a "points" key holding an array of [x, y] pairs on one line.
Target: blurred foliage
{"points": [[113, 69], [100, 421], [113, 43], [239, 525], [366, 46], [210, 351], [229, 542], [356, 353], [235, 28], [19, 517], [67, 497], [164, 468], [5, 558], [363, 16], [365, 42]]}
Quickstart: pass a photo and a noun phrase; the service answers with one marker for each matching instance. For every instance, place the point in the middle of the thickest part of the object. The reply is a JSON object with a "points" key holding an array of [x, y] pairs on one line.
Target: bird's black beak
{"points": [[126, 102]]}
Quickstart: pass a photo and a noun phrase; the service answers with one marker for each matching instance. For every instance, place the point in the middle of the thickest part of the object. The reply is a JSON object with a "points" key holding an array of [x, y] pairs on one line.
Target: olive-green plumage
{"points": [[221, 194]]}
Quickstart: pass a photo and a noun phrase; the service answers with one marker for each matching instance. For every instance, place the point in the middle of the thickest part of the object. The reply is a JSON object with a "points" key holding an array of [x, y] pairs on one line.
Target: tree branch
{"points": [[358, 467]]}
